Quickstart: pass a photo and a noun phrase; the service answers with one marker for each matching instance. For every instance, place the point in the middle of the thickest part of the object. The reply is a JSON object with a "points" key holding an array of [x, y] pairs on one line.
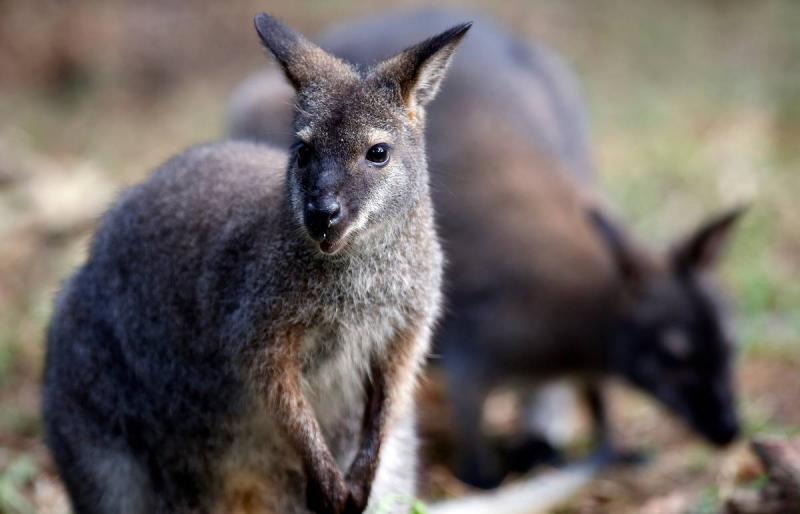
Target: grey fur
{"points": [[160, 350], [536, 287]]}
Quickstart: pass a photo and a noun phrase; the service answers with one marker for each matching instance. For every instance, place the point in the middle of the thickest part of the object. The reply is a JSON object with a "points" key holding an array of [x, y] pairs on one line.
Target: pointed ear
{"points": [[302, 61], [419, 70], [626, 259], [703, 248]]}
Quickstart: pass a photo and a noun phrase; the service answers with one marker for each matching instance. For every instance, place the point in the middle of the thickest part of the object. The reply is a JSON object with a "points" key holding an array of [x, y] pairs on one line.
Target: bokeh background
{"points": [[694, 106]]}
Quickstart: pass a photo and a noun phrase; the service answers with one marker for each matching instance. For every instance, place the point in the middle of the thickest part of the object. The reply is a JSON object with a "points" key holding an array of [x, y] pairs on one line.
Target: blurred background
{"points": [[694, 106]]}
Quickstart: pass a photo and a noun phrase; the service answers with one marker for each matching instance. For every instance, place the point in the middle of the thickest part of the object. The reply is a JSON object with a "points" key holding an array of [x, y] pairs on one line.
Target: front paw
{"points": [[328, 495], [359, 482], [357, 499]]}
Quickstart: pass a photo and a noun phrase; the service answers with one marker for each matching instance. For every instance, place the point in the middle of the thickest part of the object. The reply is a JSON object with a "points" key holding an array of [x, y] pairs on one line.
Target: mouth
{"points": [[332, 240], [330, 237], [330, 244]]}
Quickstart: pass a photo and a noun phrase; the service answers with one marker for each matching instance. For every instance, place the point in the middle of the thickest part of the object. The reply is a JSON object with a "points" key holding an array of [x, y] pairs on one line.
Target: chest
{"points": [[337, 360], [354, 321], [362, 298]]}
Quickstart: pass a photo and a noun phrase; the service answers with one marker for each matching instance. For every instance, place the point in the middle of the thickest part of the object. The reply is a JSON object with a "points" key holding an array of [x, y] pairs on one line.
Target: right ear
{"points": [[626, 259], [419, 70], [302, 61], [704, 247]]}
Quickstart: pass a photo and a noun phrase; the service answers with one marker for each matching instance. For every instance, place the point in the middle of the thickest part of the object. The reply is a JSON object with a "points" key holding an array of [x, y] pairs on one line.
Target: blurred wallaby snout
{"points": [[719, 421], [727, 431], [722, 430]]}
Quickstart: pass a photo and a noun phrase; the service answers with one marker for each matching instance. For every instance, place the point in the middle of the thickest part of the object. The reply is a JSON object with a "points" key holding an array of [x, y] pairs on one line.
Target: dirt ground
{"points": [[694, 106], [682, 474]]}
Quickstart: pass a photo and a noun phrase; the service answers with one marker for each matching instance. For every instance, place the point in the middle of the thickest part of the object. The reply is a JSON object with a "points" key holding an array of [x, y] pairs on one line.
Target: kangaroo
{"points": [[542, 282], [246, 333]]}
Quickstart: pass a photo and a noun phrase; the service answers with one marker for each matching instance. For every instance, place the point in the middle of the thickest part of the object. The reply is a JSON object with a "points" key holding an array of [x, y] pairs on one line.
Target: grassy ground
{"points": [[695, 106]]}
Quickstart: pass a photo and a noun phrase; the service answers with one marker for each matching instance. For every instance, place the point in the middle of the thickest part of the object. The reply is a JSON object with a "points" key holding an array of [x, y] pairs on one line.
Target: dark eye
{"points": [[303, 155], [378, 154]]}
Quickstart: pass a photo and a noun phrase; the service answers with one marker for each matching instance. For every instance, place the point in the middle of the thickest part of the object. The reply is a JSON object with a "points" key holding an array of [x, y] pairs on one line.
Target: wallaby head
{"points": [[358, 158], [670, 337]]}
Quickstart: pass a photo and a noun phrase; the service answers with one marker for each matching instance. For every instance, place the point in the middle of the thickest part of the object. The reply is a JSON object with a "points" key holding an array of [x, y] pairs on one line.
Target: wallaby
{"points": [[541, 282], [246, 334]]}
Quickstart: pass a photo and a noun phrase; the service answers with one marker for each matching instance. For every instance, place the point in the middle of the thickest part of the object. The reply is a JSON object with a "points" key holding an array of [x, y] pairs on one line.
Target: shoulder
{"points": [[211, 171], [206, 186], [227, 157]]}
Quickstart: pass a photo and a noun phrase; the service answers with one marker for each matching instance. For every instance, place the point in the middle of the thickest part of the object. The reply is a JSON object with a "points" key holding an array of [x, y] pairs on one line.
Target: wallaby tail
{"points": [[533, 496]]}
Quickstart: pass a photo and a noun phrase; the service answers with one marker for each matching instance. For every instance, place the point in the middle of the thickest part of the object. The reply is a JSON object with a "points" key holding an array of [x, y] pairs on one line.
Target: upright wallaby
{"points": [[540, 282], [246, 339]]}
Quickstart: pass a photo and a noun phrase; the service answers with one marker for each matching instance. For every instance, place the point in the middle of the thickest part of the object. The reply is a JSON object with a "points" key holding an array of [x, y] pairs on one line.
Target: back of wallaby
{"points": [[540, 282], [249, 325]]}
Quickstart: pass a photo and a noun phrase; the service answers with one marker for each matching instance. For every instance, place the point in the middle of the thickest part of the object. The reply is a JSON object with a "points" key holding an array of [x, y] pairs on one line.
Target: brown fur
{"points": [[244, 493], [281, 380]]}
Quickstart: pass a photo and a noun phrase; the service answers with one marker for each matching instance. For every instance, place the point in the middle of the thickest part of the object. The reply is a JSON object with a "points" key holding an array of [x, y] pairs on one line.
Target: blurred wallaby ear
{"points": [[302, 61], [419, 70], [703, 248], [626, 259]]}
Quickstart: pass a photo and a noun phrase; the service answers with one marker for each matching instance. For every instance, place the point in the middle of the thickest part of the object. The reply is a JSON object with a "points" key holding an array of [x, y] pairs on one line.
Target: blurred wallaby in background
{"points": [[246, 337], [541, 282]]}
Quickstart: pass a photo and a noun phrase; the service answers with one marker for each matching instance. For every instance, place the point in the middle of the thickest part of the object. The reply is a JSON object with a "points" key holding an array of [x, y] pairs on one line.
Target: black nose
{"points": [[321, 215], [726, 432]]}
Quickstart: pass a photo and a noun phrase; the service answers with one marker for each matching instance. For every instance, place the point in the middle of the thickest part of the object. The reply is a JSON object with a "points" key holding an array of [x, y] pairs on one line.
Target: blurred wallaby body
{"points": [[234, 343], [539, 283]]}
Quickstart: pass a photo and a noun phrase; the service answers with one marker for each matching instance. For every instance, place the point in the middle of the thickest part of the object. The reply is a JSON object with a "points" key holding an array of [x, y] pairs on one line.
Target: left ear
{"points": [[703, 248], [419, 70], [628, 261]]}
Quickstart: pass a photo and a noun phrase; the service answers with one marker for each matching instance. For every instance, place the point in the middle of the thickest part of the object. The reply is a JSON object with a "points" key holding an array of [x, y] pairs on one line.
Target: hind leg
{"points": [[547, 424], [99, 479], [602, 433], [478, 463], [106, 482], [527, 451]]}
